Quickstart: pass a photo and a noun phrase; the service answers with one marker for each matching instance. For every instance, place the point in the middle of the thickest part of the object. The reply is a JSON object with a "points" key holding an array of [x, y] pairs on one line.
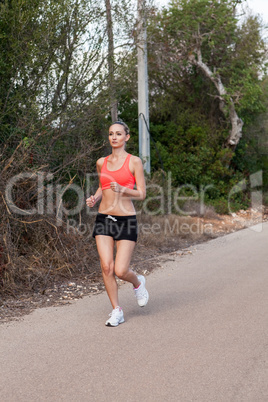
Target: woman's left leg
{"points": [[124, 250]]}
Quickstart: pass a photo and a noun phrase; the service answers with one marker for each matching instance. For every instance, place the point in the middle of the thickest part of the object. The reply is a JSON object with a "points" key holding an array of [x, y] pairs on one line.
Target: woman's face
{"points": [[117, 136]]}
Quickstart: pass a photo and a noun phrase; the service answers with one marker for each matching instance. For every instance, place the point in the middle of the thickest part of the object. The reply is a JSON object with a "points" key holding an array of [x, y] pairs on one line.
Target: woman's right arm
{"points": [[93, 199]]}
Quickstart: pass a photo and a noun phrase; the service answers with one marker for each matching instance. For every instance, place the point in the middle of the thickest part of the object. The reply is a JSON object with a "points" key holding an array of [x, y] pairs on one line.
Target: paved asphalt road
{"points": [[202, 337]]}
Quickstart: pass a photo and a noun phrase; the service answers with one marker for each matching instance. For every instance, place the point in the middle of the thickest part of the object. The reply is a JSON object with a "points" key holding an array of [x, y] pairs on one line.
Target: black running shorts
{"points": [[117, 227]]}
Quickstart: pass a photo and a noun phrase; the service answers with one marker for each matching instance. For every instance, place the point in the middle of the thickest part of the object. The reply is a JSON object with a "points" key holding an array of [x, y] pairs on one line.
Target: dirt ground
{"points": [[180, 234]]}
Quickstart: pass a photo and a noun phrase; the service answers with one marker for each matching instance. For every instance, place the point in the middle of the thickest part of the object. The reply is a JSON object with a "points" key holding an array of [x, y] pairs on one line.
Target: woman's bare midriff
{"points": [[116, 204]]}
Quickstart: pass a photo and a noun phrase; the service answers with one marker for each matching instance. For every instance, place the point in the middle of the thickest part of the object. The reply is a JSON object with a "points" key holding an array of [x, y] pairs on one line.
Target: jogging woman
{"points": [[116, 221]]}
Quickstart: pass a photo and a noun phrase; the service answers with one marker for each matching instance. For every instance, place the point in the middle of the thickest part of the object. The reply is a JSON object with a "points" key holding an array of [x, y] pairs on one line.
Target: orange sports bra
{"points": [[122, 176]]}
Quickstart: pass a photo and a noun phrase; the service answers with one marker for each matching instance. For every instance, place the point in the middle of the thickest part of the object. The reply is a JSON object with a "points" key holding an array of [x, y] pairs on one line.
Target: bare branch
{"points": [[226, 106]]}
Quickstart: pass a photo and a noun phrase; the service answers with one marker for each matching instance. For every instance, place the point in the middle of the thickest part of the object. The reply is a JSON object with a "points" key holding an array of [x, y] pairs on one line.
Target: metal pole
{"points": [[143, 102]]}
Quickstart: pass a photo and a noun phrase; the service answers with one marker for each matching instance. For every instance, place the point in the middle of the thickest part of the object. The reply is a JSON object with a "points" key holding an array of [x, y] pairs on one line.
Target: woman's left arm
{"points": [[140, 192]]}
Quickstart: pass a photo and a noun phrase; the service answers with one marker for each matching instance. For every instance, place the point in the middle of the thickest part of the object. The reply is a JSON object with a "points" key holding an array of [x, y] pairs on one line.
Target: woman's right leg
{"points": [[105, 246]]}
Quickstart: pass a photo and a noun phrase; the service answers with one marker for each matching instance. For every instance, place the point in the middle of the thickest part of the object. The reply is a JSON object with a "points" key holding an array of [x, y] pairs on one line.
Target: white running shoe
{"points": [[116, 317], [141, 292]]}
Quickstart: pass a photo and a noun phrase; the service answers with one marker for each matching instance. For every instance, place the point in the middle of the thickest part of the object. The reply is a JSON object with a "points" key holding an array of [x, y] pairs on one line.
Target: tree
{"points": [[51, 66], [204, 34]]}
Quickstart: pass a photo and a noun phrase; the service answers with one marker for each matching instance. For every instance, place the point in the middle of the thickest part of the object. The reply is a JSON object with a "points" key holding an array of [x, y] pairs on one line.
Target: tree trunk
{"points": [[227, 107], [114, 111]]}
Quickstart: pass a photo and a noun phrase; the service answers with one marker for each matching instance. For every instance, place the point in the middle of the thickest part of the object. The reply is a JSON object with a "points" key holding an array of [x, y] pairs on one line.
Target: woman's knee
{"points": [[121, 273], [107, 268]]}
